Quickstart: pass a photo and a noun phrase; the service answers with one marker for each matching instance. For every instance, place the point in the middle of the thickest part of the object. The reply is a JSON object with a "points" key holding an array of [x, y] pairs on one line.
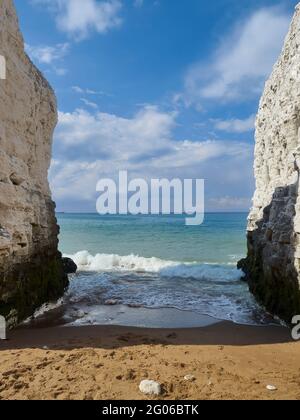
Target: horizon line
{"points": [[134, 215]]}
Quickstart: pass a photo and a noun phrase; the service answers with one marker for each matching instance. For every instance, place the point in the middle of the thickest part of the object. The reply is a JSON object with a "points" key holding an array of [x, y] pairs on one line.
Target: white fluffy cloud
{"points": [[88, 91], [46, 54], [80, 21], [89, 103], [235, 125], [114, 136], [49, 56], [99, 145], [242, 61]]}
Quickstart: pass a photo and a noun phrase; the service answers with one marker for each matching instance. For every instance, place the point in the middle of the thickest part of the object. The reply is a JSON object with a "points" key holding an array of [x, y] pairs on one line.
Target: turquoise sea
{"points": [[221, 239], [158, 262]]}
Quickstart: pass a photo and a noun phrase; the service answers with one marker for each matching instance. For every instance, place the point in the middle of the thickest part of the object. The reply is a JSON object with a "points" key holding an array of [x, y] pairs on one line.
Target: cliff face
{"points": [[30, 265], [273, 262]]}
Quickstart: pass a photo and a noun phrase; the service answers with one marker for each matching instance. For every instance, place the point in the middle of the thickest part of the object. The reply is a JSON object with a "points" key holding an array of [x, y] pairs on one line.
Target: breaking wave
{"points": [[133, 263]]}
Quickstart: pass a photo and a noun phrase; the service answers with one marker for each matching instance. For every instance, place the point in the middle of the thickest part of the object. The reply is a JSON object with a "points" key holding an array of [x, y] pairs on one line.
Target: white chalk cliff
{"points": [[273, 262], [30, 264]]}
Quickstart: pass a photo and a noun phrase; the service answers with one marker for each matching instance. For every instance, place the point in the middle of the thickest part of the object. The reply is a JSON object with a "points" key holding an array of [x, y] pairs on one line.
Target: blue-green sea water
{"points": [[221, 239], [158, 262]]}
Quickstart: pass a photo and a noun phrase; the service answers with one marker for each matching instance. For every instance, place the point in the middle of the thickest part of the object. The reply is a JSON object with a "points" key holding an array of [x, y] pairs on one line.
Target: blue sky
{"points": [[161, 88]]}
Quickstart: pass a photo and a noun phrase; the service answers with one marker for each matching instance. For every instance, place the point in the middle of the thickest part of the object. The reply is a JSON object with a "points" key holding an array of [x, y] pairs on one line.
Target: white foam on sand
{"points": [[121, 290], [144, 317], [213, 290], [44, 309]]}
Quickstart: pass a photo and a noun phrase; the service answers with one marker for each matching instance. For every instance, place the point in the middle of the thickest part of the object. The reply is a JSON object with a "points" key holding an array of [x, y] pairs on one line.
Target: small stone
{"points": [[80, 314], [45, 348], [111, 302], [172, 336], [190, 378], [271, 388], [150, 388]]}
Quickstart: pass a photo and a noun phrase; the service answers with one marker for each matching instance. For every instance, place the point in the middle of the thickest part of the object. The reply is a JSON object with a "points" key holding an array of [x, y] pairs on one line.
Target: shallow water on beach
{"points": [[157, 262]]}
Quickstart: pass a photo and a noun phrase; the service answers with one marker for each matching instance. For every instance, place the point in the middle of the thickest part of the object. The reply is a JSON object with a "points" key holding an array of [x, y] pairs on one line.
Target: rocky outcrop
{"points": [[31, 271], [273, 263], [69, 266]]}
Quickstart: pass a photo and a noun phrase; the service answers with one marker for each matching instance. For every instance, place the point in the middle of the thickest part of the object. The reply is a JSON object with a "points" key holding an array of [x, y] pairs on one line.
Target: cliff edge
{"points": [[273, 263], [31, 271]]}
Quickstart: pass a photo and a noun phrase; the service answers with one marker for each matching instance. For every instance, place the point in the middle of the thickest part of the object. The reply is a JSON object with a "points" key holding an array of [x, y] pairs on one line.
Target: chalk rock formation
{"points": [[30, 264], [273, 263]]}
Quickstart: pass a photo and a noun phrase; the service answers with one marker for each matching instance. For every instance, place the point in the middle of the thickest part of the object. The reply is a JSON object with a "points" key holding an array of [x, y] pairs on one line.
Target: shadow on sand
{"points": [[114, 337]]}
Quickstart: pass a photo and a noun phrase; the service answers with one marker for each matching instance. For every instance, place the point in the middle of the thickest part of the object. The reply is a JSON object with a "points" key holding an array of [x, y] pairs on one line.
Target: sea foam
{"points": [[134, 263]]}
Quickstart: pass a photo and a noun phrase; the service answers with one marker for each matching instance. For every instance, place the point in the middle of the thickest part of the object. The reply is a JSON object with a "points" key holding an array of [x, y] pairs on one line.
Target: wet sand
{"points": [[228, 361]]}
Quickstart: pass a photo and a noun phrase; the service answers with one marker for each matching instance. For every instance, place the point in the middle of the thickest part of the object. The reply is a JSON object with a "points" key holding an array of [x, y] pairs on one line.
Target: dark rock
{"points": [[27, 285], [69, 266]]}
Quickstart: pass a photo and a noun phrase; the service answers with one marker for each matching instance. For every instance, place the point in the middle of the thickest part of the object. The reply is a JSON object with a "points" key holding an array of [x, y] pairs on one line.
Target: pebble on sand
{"points": [[271, 388], [150, 388], [190, 378], [111, 302]]}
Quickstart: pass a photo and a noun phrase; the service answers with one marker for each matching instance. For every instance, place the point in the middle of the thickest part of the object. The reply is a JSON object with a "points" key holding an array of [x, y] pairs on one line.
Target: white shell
{"points": [[271, 388]]}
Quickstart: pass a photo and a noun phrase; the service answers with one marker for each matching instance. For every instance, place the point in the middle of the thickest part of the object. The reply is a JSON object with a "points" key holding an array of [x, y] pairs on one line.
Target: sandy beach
{"points": [[227, 361]]}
